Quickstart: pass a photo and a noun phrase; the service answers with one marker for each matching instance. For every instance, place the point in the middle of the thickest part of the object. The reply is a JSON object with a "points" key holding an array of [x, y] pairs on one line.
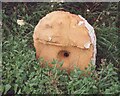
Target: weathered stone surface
{"points": [[64, 36]]}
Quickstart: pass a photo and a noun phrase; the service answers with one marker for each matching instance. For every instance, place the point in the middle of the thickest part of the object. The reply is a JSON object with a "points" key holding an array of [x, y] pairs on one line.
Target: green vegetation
{"points": [[21, 72]]}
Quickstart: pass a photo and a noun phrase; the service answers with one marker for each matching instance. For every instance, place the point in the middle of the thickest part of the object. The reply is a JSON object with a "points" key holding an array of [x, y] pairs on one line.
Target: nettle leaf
{"points": [[54, 61], [61, 63], [2, 88], [15, 88], [7, 87]]}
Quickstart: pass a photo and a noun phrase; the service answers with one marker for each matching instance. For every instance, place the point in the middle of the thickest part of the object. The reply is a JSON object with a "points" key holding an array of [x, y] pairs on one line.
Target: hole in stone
{"points": [[63, 54], [66, 54]]}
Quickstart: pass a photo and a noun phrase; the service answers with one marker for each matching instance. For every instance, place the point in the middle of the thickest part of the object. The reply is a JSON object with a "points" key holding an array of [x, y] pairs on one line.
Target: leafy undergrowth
{"points": [[21, 72], [23, 75]]}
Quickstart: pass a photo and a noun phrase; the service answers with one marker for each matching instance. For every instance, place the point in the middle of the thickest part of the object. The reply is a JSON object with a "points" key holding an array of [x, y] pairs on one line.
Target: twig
{"points": [[98, 18]]}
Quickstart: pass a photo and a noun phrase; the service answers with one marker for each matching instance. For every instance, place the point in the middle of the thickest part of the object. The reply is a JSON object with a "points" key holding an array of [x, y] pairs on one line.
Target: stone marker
{"points": [[66, 37]]}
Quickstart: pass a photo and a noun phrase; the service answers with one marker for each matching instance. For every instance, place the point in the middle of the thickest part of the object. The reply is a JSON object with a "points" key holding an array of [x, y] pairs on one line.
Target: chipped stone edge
{"points": [[92, 35]]}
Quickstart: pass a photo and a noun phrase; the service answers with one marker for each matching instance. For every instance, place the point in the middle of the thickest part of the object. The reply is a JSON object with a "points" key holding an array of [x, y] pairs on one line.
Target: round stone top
{"points": [[62, 28]]}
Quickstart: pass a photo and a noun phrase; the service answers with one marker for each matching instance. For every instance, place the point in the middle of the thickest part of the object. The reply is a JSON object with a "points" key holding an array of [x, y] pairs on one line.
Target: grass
{"points": [[22, 74]]}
